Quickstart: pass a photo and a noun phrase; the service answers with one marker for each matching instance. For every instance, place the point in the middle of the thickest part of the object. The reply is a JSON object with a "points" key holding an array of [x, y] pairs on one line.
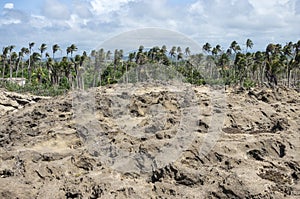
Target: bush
{"points": [[248, 83], [35, 89]]}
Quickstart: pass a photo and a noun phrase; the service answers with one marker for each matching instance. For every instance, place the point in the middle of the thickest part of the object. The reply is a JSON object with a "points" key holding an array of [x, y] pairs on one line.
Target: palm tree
{"points": [[235, 47], [179, 56], [102, 55], [73, 48], [288, 53], [20, 57], [223, 62], [55, 73], [187, 51], [249, 44], [116, 59], [258, 60], [20, 60], [164, 49], [296, 61], [270, 50], [243, 65], [26, 52], [140, 56], [29, 60], [49, 65], [216, 50], [179, 53], [77, 61], [131, 57], [13, 60], [30, 48], [55, 48], [66, 67], [121, 54], [80, 71], [4, 57], [206, 48], [141, 48], [10, 48], [240, 67], [68, 50], [156, 54], [273, 62], [153, 54], [96, 57], [108, 55], [219, 49], [35, 57], [173, 51], [178, 50], [42, 49]]}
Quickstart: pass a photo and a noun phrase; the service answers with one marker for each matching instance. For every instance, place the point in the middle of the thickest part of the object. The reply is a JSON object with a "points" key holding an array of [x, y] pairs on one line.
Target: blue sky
{"points": [[88, 23]]}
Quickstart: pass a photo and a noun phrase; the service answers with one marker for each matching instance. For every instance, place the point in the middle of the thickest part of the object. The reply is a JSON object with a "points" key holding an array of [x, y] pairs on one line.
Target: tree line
{"points": [[235, 66], [276, 63]]}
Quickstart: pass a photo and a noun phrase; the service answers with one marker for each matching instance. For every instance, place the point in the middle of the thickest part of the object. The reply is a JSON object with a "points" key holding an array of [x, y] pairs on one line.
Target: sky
{"points": [[91, 24]]}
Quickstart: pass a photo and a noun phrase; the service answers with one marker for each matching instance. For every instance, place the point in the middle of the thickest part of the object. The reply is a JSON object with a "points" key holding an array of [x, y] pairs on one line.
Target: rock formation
{"points": [[109, 143]]}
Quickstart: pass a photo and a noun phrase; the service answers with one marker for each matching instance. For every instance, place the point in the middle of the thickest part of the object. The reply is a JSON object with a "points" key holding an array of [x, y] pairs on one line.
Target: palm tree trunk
{"points": [[29, 68], [137, 74], [262, 73], [211, 70], [10, 72], [17, 70], [3, 72], [95, 78], [22, 66], [126, 74], [10, 69], [29, 74], [288, 75], [296, 77], [257, 77], [82, 82], [100, 79]]}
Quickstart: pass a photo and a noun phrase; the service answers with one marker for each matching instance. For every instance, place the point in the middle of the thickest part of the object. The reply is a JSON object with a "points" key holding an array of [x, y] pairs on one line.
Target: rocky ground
{"points": [[151, 141]]}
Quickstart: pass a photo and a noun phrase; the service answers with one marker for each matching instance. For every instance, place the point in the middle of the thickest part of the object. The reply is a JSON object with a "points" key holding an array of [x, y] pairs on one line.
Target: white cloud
{"points": [[214, 21], [9, 6], [11, 16], [38, 21], [9, 21], [297, 7], [102, 7], [76, 22], [197, 7], [262, 21], [82, 9], [54, 9]]}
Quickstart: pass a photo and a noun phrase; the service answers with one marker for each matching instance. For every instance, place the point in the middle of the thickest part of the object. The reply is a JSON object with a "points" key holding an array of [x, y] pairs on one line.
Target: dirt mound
{"points": [[118, 142]]}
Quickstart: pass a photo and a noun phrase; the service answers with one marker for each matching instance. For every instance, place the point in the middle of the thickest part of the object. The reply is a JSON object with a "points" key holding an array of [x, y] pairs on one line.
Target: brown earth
{"points": [[82, 146]]}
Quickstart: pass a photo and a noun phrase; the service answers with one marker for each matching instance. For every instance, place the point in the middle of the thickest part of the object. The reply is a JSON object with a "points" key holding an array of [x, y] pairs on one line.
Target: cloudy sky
{"points": [[89, 23]]}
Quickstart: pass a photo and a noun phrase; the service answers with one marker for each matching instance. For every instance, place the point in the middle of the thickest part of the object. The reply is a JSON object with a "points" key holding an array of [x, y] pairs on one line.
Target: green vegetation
{"points": [[50, 75]]}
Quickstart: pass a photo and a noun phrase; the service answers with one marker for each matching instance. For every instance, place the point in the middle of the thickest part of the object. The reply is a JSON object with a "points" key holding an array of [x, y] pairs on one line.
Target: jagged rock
{"points": [[108, 143]]}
